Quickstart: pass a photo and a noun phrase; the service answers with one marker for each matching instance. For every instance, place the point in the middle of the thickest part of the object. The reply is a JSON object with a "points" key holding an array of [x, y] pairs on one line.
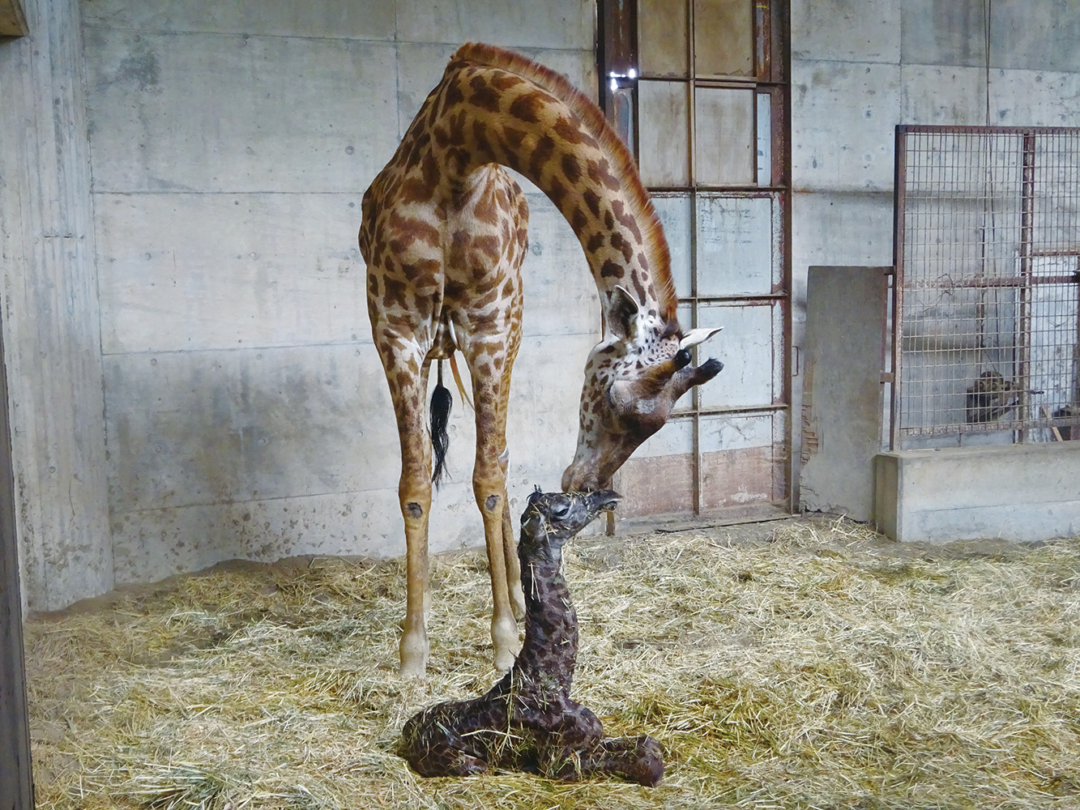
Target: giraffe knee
{"points": [[414, 509], [491, 502]]}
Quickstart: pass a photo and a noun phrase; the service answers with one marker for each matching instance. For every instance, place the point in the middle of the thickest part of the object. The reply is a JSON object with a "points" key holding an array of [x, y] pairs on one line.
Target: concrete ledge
{"points": [[1023, 492]]}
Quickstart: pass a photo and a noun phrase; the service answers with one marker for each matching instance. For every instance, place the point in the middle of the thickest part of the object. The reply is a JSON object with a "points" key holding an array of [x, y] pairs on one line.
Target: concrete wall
{"points": [[50, 311], [859, 69], [247, 414], [192, 373], [204, 292]]}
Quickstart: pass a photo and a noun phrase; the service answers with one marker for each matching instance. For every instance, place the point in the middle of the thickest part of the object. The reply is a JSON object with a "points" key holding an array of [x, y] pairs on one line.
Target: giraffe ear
{"points": [[696, 336], [621, 313]]}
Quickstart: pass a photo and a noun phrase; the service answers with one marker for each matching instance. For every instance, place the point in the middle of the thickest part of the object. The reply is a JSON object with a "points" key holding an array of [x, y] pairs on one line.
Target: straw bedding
{"points": [[804, 663]]}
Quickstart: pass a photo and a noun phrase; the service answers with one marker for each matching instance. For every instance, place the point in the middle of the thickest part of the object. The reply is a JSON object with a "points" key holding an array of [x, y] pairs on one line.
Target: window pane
{"points": [[724, 37], [749, 348], [764, 139], [685, 314], [735, 245], [662, 37], [622, 104], [674, 213], [663, 127], [742, 459], [725, 137], [659, 477]]}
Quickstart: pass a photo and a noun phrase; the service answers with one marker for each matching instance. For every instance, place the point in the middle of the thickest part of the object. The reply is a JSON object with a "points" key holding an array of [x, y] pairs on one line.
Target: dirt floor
{"points": [[804, 663]]}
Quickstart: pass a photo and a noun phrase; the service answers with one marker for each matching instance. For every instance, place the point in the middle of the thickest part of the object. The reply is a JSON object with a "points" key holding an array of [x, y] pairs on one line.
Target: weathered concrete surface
{"points": [[296, 115], [327, 19], [1018, 492], [859, 69], [843, 118], [944, 32], [842, 392], [1035, 35], [846, 31], [51, 329], [850, 229], [558, 24], [283, 266], [1034, 98], [931, 94]]}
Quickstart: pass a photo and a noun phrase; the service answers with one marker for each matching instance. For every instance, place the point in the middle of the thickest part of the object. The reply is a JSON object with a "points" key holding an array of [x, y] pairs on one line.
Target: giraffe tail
{"points": [[441, 404], [460, 384]]}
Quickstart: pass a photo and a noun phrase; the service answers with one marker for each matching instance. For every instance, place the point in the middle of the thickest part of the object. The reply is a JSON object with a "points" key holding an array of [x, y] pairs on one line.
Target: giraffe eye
{"points": [[560, 509]]}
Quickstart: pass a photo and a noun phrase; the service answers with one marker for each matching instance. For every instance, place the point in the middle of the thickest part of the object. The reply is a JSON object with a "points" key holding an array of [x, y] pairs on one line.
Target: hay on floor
{"points": [[815, 666]]}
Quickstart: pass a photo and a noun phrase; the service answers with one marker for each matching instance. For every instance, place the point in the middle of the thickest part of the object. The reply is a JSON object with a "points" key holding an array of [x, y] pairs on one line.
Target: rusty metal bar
{"points": [[945, 129], [616, 44], [899, 204], [1027, 219], [980, 283]]}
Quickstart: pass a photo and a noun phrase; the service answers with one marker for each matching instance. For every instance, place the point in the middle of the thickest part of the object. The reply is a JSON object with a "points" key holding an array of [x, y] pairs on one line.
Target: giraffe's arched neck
{"points": [[495, 107]]}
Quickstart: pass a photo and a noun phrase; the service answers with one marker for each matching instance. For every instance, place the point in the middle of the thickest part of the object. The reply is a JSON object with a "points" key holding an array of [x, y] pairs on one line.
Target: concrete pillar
{"points": [[50, 319]]}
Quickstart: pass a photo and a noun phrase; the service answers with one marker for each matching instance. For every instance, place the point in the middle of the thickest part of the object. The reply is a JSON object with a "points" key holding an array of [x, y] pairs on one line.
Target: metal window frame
{"points": [[618, 54]]}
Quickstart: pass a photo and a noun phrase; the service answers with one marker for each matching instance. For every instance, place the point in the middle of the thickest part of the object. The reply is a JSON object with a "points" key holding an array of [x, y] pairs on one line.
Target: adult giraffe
{"points": [[444, 233]]}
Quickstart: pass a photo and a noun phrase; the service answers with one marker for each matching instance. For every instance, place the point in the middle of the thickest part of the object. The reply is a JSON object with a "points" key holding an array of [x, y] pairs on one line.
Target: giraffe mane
{"points": [[596, 124]]}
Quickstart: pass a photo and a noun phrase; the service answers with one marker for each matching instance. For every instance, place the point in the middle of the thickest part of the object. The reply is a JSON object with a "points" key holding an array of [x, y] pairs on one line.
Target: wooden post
{"points": [[16, 782]]}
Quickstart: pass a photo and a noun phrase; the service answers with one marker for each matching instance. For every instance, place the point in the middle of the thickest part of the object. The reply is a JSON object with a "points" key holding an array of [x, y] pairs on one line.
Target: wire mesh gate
{"points": [[986, 299]]}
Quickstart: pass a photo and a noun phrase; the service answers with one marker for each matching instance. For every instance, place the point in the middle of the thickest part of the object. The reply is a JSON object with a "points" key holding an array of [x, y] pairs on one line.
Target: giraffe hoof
{"points": [[414, 655], [517, 604], [504, 660]]}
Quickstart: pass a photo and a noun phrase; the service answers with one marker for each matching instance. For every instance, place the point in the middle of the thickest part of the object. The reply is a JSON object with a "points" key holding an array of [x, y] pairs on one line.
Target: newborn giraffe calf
{"points": [[527, 721]]}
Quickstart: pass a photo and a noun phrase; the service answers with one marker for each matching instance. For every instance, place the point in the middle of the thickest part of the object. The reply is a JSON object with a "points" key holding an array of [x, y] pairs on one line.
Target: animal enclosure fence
{"points": [[986, 310]]}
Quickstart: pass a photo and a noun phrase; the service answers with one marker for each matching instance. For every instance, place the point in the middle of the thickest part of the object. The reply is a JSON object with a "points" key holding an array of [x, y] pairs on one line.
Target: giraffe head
{"points": [[633, 379], [551, 519]]}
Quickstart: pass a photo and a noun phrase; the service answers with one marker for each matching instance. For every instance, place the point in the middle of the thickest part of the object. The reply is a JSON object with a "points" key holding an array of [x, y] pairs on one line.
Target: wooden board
{"points": [[12, 19], [16, 791]]}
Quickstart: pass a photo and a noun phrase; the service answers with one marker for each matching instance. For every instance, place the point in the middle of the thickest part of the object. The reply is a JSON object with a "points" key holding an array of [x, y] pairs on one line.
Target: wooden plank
{"points": [[16, 785], [12, 19]]}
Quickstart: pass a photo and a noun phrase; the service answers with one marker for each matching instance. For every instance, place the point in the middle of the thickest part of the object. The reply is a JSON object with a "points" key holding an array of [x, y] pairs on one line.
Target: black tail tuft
{"points": [[441, 403]]}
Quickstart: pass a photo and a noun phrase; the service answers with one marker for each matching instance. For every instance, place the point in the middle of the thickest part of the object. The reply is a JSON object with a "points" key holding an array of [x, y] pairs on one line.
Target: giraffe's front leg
{"points": [[491, 497]]}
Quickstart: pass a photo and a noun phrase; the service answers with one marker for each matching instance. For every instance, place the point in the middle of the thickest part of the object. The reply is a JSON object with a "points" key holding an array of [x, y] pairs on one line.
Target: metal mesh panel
{"points": [[987, 314]]}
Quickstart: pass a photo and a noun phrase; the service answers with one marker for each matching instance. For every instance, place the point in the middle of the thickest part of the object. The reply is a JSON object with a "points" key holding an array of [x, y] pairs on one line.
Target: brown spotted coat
{"points": [[444, 234], [527, 721]]}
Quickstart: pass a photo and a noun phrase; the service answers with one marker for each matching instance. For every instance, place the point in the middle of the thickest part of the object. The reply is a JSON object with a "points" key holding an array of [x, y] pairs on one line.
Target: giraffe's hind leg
{"points": [[408, 389], [513, 564]]}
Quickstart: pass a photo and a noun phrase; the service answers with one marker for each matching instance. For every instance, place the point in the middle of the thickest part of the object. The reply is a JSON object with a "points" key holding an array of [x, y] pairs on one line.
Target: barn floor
{"points": [[805, 663]]}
